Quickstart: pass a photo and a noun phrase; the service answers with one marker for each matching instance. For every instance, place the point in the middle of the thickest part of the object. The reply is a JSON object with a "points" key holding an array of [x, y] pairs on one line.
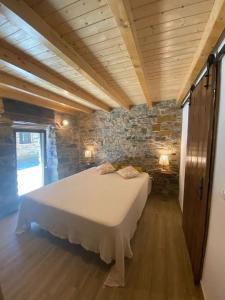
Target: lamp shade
{"points": [[87, 154], [164, 160]]}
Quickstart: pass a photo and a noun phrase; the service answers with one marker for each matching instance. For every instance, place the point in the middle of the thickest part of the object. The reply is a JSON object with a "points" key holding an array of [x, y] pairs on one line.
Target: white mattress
{"points": [[100, 212]]}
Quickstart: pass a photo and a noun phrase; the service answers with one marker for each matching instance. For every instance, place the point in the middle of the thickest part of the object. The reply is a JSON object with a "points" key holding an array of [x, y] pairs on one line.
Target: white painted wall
{"points": [[213, 281], [183, 152]]}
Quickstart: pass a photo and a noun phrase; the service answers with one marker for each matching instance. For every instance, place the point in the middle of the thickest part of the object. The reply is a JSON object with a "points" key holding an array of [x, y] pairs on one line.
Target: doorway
{"points": [[30, 157]]}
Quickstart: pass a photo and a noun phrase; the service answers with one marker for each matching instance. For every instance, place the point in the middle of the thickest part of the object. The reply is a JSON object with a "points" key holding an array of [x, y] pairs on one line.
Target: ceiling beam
{"points": [[23, 16], [123, 15], [14, 94], [213, 30], [25, 86], [23, 61]]}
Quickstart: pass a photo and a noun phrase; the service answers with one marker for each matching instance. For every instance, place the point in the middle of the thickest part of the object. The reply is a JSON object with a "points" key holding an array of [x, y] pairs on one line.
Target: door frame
{"points": [[43, 145]]}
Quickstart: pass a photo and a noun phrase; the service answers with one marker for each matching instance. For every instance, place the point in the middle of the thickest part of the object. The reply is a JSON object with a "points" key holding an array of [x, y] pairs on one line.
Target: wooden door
{"points": [[197, 172]]}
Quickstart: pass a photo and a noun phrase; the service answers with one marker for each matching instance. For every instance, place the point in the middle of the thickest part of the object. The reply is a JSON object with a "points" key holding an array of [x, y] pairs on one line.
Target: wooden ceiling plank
{"points": [[71, 11], [170, 71], [24, 45], [93, 32], [122, 14], [37, 49], [7, 29], [169, 67], [25, 86], [167, 16], [93, 29], [213, 30], [168, 35], [83, 21], [166, 76], [98, 48], [20, 14], [13, 94], [172, 42], [78, 42], [171, 48], [112, 59], [170, 54], [171, 60], [154, 8], [104, 54], [24, 62], [49, 7], [173, 24]]}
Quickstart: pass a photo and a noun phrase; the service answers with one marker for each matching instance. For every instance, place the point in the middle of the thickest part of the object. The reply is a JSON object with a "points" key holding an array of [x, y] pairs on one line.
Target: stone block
{"points": [[156, 127], [167, 118]]}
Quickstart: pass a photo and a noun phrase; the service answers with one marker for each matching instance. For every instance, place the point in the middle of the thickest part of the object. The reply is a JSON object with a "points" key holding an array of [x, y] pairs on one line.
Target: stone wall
{"points": [[67, 145], [51, 173], [8, 176], [136, 137]]}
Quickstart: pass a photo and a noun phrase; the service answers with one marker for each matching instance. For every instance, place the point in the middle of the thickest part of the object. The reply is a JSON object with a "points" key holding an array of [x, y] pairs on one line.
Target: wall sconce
{"points": [[88, 154], [61, 123], [164, 161], [65, 122]]}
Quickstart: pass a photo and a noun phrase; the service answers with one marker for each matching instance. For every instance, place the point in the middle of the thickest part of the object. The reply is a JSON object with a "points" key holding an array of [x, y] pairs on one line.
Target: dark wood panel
{"points": [[197, 177]]}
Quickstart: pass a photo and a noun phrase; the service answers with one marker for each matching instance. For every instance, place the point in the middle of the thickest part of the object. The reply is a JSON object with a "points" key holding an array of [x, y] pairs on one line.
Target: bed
{"points": [[99, 212]]}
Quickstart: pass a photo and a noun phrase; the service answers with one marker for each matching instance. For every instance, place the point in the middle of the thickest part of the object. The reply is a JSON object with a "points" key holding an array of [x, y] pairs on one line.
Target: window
{"points": [[25, 138]]}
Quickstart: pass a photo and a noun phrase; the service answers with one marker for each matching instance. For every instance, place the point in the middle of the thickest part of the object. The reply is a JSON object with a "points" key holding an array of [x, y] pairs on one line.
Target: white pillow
{"points": [[105, 168], [128, 172]]}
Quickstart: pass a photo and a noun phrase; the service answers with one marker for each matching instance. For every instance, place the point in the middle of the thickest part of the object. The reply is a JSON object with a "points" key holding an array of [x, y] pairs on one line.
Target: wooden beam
{"points": [[14, 94], [123, 15], [213, 30], [23, 61], [25, 86], [23, 16]]}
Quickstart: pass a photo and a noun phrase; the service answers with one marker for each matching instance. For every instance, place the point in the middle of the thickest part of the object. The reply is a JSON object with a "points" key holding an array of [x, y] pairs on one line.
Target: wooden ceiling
{"points": [[100, 54]]}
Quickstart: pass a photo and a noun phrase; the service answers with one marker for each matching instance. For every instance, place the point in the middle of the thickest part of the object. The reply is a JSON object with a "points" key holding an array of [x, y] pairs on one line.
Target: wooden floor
{"points": [[38, 266]]}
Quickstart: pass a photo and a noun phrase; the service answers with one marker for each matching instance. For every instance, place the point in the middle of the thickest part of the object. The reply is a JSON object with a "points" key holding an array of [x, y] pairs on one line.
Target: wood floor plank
{"points": [[38, 266]]}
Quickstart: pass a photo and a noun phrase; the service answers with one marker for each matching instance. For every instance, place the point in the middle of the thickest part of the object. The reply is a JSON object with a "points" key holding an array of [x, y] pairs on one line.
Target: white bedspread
{"points": [[99, 212]]}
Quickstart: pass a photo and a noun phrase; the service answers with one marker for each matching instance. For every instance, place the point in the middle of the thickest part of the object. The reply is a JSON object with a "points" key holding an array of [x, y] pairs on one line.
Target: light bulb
{"points": [[65, 122]]}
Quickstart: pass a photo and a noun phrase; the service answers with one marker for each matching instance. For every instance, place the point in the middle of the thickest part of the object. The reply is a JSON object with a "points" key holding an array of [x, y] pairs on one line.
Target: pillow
{"points": [[139, 169], [128, 172], [116, 166], [106, 168]]}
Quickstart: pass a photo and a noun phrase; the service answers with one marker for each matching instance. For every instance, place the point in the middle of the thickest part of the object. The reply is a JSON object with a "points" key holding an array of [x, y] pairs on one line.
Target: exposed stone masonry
{"points": [[51, 172], [67, 145], [8, 176], [136, 137]]}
